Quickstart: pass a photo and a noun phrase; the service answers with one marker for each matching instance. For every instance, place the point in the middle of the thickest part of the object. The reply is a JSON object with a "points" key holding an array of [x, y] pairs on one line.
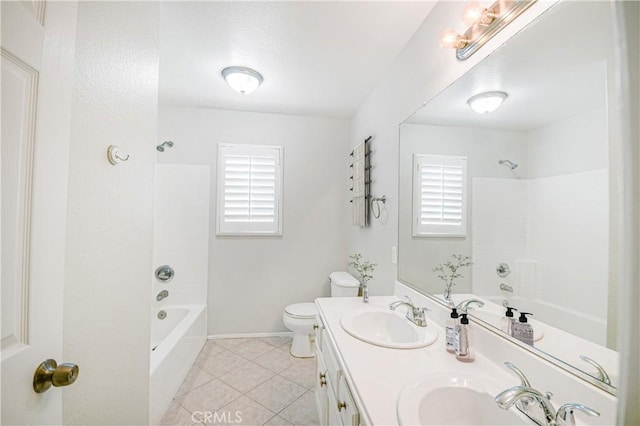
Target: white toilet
{"points": [[300, 317]]}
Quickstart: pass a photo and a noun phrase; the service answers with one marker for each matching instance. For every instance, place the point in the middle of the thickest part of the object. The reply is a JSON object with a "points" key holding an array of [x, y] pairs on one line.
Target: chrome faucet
{"points": [[507, 398], [523, 395], [416, 315], [163, 294], [567, 411], [464, 305]]}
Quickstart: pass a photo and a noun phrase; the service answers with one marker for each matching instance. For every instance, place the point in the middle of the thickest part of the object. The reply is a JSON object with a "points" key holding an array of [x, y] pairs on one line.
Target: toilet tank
{"points": [[343, 284]]}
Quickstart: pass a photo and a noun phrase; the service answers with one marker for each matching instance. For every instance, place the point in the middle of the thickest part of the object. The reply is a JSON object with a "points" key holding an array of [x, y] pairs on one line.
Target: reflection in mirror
{"points": [[531, 205]]}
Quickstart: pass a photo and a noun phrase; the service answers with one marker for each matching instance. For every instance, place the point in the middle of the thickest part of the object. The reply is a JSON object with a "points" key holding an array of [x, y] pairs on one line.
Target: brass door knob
{"points": [[49, 373], [315, 326], [342, 405]]}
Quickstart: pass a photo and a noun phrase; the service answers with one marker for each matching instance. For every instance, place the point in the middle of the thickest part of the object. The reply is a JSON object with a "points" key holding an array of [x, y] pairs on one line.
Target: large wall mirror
{"points": [[537, 189]]}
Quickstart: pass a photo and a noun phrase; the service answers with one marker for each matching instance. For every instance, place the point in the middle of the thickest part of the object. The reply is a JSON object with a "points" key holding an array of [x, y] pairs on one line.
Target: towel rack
{"points": [[361, 177]]}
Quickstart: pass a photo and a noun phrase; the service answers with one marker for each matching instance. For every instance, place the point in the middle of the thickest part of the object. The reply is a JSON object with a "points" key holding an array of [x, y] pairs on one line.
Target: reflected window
{"points": [[439, 196]]}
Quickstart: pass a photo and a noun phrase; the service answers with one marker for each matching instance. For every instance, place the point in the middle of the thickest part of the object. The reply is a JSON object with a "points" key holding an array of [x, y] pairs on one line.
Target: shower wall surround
{"points": [[180, 232]]}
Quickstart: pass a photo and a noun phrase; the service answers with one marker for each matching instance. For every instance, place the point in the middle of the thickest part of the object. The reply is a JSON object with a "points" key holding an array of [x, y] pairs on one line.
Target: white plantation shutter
{"points": [[249, 190], [439, 196]]}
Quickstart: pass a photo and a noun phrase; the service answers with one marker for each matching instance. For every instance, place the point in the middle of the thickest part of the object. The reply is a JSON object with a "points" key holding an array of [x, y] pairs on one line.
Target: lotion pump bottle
{"points": [[508, 320], [522, 330], [463, 340], [450, 331]]}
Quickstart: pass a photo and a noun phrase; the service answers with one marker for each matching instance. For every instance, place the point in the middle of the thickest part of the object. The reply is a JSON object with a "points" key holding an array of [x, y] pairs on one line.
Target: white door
{"points": [[37, 51]]}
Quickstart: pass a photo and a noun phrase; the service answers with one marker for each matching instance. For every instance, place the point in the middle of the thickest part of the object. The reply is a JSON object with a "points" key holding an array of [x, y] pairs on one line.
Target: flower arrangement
{"points": [[450, 271], [365, 270]]}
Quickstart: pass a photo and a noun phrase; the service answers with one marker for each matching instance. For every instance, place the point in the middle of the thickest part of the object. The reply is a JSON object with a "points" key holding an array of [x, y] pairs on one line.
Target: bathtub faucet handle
{"points": [[164, 273], [163, 294]]}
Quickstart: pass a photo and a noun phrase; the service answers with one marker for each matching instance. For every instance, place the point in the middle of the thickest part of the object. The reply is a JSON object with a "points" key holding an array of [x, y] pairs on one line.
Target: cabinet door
{"points": [[321, 390], [318, 328], [331, 362], [333, 415], [346, 404]]}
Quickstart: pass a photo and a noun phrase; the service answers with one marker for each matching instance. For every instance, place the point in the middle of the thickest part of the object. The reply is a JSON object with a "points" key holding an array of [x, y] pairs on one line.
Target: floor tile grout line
{"points": [[278, 374]]}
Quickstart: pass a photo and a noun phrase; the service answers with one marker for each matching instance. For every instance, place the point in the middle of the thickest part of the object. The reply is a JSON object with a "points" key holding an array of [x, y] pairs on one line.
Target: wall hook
{"points": [[114, 155]]}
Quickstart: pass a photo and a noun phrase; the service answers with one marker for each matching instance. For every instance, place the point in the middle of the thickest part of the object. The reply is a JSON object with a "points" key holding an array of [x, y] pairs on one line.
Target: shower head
{"points": [[509, 164], [165, 143]]}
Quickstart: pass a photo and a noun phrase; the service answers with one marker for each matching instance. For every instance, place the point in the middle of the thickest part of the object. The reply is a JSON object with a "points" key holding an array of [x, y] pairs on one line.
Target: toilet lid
{"points": [[302, 310]]}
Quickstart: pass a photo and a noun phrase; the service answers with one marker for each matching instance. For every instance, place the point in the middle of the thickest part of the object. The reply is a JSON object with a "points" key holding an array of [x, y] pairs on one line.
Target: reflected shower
{"points": [[168, 144], [508, 163]]}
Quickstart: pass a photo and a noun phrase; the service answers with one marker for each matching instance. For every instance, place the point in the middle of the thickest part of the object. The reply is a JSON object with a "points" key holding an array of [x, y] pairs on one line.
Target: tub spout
{"points": [[163, 294]]}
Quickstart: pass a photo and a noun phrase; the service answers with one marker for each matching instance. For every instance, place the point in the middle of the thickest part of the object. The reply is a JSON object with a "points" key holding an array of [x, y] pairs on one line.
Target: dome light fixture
{"points": [[483, 103], [243, 80]]}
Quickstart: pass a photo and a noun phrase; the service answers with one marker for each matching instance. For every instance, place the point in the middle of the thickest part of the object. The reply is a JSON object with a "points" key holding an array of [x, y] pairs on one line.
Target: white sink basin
{"points": [[388, 328], [441, 399]]}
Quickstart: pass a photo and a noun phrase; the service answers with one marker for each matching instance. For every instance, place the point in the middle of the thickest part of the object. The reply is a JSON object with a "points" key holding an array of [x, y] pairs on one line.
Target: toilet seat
{"points": [[301, 310]]}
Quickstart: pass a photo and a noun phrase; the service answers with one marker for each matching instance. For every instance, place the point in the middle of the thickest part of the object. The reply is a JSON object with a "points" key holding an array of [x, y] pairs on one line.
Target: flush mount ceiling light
{"points": [[482, 24], [242, 79], [486, 102]]}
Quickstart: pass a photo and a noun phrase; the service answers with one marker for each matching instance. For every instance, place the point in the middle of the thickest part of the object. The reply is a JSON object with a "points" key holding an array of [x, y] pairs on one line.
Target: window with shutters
{"points": [[249, 190], [439, 196]]}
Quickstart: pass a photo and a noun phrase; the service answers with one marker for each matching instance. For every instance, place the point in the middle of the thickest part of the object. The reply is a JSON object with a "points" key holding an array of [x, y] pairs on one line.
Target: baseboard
{"points": [[248, 335]]}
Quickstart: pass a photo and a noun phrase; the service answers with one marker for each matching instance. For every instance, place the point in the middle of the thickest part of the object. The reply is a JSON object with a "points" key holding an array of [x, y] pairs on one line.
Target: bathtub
{"points": [[176, 342]]}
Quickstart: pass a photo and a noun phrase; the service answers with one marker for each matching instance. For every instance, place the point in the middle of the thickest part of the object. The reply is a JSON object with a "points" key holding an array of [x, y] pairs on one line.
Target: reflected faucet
{"points": [[464, 305], [602, 373]]}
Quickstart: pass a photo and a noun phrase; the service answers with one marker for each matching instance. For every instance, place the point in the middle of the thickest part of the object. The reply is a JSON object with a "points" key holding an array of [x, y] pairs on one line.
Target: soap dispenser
{"points": [[450, 330], [522, 330], [463, 340], [508, 320]]}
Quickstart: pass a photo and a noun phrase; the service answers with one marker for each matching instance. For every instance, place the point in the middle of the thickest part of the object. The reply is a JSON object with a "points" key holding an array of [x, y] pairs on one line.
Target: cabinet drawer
{"points": [[349, 413]]}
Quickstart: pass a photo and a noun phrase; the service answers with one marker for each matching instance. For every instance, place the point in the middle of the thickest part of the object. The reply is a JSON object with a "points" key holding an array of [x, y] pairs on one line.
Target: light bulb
{"points": [[486, 102], [450, 38], [472, 13]]}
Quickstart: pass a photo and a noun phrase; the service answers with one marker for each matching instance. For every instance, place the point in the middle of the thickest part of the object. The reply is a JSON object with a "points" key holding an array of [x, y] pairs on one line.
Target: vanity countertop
{"points": [[377, 374]]}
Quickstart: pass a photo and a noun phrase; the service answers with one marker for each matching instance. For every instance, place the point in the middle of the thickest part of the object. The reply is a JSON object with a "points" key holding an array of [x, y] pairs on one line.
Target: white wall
{"points": [[575, 144], [483, 148], [252, 279], [422, 70], [109, 217], [181, 233]]}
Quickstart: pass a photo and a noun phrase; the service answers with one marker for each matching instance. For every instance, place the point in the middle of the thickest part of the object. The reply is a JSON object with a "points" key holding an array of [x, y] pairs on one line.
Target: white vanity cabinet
{"points": [[335, 403]]}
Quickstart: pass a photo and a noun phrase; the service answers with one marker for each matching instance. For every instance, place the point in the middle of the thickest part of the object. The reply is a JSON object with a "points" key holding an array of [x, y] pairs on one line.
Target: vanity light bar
{"points": [[488, 22]]}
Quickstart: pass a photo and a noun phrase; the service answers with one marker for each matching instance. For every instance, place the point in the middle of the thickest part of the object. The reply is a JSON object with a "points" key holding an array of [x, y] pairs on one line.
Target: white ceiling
{"points": [[552, 70], [317, 58]]}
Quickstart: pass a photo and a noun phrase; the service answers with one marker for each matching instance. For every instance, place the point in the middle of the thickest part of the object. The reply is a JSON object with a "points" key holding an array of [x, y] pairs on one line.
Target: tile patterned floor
{"points": [[246, 382]]}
